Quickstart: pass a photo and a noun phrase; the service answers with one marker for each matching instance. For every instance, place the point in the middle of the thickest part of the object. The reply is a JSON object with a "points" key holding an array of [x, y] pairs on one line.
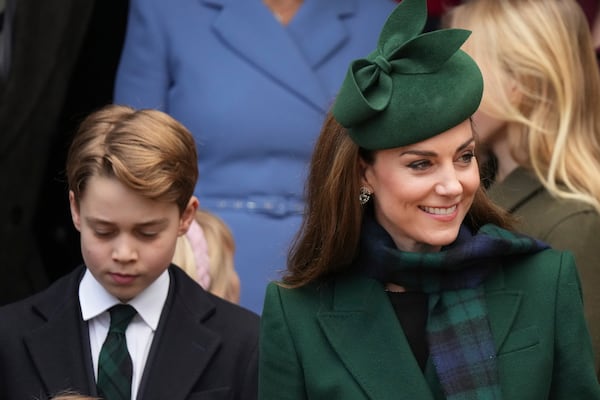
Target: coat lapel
{"points": [[503, 306], [284, 54], [318, 30], [60, 347], [360, 318], [182, 347]]}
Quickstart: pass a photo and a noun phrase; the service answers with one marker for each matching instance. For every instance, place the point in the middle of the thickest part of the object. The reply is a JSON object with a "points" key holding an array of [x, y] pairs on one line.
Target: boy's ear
{"points": [[74, 211], [188, 215]]}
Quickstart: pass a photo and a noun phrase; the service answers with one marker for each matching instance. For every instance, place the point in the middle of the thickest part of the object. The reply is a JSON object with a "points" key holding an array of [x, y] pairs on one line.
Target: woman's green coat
{"points": [[340, 339]]}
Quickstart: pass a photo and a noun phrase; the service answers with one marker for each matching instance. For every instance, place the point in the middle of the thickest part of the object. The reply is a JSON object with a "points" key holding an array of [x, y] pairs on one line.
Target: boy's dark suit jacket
{"points": [[204, 347]]}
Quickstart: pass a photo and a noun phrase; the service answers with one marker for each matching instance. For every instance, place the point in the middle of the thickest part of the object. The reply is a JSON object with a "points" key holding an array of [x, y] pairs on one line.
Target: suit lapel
{"points": [[284, 54], [362, 318], [60, 347], [183, 346]]}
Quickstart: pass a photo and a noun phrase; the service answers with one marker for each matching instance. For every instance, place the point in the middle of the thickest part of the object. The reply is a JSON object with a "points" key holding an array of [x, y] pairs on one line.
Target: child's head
{"points": [[146, 150], [131, 177], [225, 281], [73, 396]]}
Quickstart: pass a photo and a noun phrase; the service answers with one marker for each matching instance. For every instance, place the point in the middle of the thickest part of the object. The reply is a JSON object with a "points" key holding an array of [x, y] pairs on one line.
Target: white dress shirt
{"points": [[95, 302]]}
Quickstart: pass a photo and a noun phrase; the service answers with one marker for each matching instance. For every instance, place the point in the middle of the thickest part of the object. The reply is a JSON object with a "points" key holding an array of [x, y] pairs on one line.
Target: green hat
{"points": [[413, 87]]}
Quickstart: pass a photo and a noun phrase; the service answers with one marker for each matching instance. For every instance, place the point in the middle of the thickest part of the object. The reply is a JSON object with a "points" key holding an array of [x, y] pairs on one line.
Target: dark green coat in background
{"points": [[341, 339], [564, 225]]}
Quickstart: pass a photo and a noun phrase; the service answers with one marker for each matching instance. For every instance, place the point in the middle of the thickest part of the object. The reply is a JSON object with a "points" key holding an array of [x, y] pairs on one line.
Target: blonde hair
{"points": [[146, 150], [224, 281], [543, 50], [70, 395]]}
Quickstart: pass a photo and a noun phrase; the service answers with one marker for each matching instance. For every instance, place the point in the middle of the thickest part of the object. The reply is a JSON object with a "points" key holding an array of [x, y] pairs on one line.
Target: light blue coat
{"points": [[254, 94]]}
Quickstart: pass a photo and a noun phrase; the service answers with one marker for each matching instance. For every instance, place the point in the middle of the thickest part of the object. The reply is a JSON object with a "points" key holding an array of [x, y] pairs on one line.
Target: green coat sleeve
{"points": [[579, 233], [573, 375]]}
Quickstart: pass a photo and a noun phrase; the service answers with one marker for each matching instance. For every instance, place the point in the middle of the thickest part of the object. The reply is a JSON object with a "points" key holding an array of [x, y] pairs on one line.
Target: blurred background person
{"points": [[57, 63], [252, 80], [539, 120], [206, 253]]}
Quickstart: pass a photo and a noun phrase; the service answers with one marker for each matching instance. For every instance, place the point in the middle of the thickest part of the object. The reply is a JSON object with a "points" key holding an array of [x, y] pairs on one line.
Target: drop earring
{"points": [[364, 196]]}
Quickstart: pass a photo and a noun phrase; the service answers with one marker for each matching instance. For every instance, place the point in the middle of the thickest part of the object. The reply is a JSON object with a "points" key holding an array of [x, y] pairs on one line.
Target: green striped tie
{"points": [[114, 364]]}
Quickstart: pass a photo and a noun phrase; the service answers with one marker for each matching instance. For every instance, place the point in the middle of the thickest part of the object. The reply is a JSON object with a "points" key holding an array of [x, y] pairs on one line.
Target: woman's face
{"points": [[423, 191]]}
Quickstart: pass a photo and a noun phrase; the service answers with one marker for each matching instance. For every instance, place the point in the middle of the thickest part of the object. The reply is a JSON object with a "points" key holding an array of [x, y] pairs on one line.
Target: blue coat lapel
{"points": [[264, 46], [362, 318], [318, 31]]}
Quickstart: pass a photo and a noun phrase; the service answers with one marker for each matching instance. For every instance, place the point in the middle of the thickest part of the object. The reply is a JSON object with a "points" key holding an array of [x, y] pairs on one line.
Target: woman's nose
{"points": [[449, 184]]}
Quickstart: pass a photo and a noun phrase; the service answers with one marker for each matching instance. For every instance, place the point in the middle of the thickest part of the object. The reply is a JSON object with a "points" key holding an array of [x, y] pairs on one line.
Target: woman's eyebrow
{"points": [[427, 153]]}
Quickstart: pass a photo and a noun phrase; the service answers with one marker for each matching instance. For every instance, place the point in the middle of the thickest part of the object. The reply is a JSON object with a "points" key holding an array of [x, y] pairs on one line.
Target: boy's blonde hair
{"points": [[71, 395], [146, 150]]}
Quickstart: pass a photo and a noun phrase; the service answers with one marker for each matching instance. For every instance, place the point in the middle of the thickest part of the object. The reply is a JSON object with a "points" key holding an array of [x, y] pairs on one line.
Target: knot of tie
{"points": [[120, 317]]}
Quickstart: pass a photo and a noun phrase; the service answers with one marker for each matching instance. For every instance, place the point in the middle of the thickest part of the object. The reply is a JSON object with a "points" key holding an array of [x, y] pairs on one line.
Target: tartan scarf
{"points": [[459, 336]]}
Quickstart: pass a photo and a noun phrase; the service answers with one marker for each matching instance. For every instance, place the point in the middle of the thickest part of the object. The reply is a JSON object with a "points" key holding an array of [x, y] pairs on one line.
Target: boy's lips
{"points": [[122, 279]]}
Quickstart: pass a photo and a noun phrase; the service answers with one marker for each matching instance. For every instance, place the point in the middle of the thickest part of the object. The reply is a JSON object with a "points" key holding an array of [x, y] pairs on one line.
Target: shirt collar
{"points": [[94, 299]]}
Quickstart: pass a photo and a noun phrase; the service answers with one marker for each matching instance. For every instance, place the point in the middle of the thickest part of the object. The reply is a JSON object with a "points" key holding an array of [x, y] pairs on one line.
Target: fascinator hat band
{"points": [[412, 87]]}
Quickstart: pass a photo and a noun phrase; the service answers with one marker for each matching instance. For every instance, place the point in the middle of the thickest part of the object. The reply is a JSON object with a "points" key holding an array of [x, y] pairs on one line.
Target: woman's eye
{"points": [[467, 157], [419, 165]]}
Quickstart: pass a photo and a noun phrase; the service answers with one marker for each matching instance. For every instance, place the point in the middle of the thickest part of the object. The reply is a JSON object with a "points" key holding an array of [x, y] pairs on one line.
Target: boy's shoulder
{"points": [[210, 309], [40, 307]]}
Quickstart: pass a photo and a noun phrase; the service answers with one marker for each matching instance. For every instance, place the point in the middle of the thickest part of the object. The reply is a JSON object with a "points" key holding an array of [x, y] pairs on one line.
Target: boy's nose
{"points": [[124, 251]]}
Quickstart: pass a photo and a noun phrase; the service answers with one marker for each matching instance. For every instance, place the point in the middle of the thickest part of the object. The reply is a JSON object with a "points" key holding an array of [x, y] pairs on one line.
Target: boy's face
{"points": [[127, 240]]}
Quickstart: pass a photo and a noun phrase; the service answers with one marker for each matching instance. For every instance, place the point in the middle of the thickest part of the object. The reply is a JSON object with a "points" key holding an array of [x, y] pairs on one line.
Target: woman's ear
{"points": [[188, 215], [365, 170]]}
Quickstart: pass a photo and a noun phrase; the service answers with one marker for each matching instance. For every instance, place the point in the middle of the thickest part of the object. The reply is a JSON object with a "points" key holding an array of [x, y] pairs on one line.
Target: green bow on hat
{"points": [[412, 87]]}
